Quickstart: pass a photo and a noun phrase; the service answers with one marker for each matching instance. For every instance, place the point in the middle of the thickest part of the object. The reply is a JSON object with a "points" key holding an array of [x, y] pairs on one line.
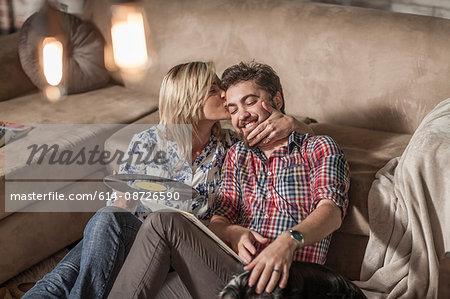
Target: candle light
{"points": [[129, 40], [52, 60], [52, 64]]}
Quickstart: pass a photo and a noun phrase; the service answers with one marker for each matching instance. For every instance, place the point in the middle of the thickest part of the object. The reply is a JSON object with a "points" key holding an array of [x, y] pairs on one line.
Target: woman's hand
{"points": [[276, 127]]}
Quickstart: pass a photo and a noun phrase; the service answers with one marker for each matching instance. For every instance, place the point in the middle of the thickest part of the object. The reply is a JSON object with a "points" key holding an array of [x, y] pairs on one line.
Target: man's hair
{"points": [[262, 74]]}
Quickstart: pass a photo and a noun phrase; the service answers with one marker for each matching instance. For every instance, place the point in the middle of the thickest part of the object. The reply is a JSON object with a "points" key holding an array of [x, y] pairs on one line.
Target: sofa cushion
{"points": [[13, 81], [367, 151], [110, 105], [83, 50]]}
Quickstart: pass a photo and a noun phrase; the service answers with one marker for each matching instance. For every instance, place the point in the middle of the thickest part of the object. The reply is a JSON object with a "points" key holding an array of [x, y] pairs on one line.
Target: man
{"points": [[298, 183], [278, 202]]}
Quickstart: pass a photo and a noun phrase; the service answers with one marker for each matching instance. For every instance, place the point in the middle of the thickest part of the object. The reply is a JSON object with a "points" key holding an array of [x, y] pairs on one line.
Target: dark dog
{"points": [[306, 280]]}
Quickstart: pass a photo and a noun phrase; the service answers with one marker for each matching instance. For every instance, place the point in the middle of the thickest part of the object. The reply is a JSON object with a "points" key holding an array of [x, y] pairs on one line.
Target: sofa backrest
{"points": [[343, 65], [13, 80]]}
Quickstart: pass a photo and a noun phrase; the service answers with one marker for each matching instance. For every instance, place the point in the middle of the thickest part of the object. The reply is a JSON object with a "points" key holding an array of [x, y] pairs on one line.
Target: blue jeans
{"points": [[91, 267]]}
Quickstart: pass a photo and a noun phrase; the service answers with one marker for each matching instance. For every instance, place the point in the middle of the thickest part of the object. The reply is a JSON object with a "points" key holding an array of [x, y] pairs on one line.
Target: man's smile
{"points": [[248, 125]]}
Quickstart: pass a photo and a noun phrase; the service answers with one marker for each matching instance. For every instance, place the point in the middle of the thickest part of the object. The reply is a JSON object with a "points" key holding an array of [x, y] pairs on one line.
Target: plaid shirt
{"points": [[272, 195]]}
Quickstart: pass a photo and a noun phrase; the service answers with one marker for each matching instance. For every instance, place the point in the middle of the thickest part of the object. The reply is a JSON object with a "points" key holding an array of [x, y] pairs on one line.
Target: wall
{"points": [[436, 8], [13, 13]]}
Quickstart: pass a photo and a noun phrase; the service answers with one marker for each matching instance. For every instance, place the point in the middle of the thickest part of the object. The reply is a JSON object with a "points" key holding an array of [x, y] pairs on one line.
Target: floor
{"points": [[16, 287]]}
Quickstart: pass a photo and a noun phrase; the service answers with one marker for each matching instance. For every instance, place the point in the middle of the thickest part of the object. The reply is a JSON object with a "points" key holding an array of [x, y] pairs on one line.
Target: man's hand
{"points": [[325, 219], [242, 241], [239, 238], [272, 265], [276, 127]]}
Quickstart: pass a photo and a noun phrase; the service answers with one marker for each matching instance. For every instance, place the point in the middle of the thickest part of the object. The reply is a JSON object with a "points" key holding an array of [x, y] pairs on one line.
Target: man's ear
{"points": [[278, 100]]}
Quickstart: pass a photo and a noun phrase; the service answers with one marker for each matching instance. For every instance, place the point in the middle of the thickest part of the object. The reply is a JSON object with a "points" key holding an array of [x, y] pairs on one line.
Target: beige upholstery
{"points": [[366, 151], [110, 105], [367, 76], [345, 65], [13, 80]]}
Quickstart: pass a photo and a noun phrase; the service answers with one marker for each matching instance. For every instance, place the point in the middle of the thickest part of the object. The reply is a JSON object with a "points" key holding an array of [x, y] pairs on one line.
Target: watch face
{"points": [[296, 235]]}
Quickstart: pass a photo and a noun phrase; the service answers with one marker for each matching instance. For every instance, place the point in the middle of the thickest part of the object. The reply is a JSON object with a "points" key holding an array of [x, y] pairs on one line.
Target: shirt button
{"points": [[266, 215], [269, 173]]}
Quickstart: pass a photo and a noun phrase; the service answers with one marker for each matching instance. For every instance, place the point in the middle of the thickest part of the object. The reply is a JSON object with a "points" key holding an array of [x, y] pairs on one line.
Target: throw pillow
{"points": [[11, 131], [83, 44]]}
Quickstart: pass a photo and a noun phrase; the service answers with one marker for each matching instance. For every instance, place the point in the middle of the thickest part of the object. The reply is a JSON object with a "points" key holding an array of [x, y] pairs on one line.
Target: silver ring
{"points": [[268, 139], [276, 270]]}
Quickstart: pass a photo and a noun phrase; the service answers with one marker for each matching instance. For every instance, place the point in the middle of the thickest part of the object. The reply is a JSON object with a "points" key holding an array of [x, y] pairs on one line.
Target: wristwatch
{"points": [[298, 237]]}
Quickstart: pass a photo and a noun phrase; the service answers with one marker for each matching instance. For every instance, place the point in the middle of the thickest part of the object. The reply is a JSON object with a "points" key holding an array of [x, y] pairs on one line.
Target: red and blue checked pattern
{"points": [[272, 195]]}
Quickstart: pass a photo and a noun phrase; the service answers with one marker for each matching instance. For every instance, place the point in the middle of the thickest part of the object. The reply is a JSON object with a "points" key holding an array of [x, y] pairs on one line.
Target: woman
{"points": [[190, 94]]}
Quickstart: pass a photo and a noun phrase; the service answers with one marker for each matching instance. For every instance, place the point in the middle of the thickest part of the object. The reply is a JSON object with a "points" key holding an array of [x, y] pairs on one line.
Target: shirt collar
{"points": [[259, 153], [296, 140]]}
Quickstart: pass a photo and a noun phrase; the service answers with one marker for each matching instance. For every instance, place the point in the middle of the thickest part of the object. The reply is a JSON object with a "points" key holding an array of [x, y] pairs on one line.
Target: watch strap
{"points": [[298, 237]]}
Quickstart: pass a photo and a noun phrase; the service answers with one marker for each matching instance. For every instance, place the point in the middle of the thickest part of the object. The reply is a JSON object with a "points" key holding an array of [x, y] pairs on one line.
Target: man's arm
{"points": [[329, 187], [240, 239], [324, 220]]}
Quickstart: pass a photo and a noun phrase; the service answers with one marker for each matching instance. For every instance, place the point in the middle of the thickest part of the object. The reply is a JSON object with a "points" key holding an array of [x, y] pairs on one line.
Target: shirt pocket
{"points": [[293, 192]]}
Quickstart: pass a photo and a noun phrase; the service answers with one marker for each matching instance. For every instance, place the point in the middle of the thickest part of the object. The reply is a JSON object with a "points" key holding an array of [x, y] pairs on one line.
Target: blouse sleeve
{"points": [[134, 158]]}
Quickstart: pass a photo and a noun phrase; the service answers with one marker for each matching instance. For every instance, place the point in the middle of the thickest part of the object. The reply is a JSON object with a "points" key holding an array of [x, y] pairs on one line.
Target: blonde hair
{"points": [[183, 92]]}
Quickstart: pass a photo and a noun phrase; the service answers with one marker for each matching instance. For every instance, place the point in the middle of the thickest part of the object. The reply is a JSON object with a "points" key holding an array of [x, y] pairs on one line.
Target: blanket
{"points": [[409, 215]]}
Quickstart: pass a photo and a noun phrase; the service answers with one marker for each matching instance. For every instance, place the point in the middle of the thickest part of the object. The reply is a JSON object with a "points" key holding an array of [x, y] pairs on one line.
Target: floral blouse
{"points": [[203, 175]]}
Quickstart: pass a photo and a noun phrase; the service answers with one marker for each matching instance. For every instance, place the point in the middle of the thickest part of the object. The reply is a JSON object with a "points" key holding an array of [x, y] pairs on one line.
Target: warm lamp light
{"points": [[52, 65], [52, 60], [129, 38]]}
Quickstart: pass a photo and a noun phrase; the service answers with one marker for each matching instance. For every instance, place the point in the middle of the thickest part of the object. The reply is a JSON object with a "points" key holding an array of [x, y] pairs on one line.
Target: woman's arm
{"points": [[276, 127]]}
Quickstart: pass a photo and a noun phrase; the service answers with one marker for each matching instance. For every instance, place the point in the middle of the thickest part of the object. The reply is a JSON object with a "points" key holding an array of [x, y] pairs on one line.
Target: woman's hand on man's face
{"points": [[274, 128]]}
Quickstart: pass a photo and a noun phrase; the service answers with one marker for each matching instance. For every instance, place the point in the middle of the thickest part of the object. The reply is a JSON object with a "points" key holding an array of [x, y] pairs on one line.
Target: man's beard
{"points": [[243, 136]]}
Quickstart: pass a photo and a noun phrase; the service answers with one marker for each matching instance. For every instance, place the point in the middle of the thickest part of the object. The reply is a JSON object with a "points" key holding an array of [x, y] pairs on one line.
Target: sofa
{"points": [[368, 77]]}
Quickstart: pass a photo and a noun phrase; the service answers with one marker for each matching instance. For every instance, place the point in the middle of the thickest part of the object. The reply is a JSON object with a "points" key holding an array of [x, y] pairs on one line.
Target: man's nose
{"points": [[243, 114]]}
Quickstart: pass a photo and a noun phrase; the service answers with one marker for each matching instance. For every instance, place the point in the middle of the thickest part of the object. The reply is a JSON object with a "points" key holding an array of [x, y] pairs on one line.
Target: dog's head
{"points": [[308, 280], [237, 288]]}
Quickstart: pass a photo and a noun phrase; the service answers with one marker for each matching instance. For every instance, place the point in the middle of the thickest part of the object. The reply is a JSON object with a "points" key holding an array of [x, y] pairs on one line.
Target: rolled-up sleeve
{"points": [[330, 173]]}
